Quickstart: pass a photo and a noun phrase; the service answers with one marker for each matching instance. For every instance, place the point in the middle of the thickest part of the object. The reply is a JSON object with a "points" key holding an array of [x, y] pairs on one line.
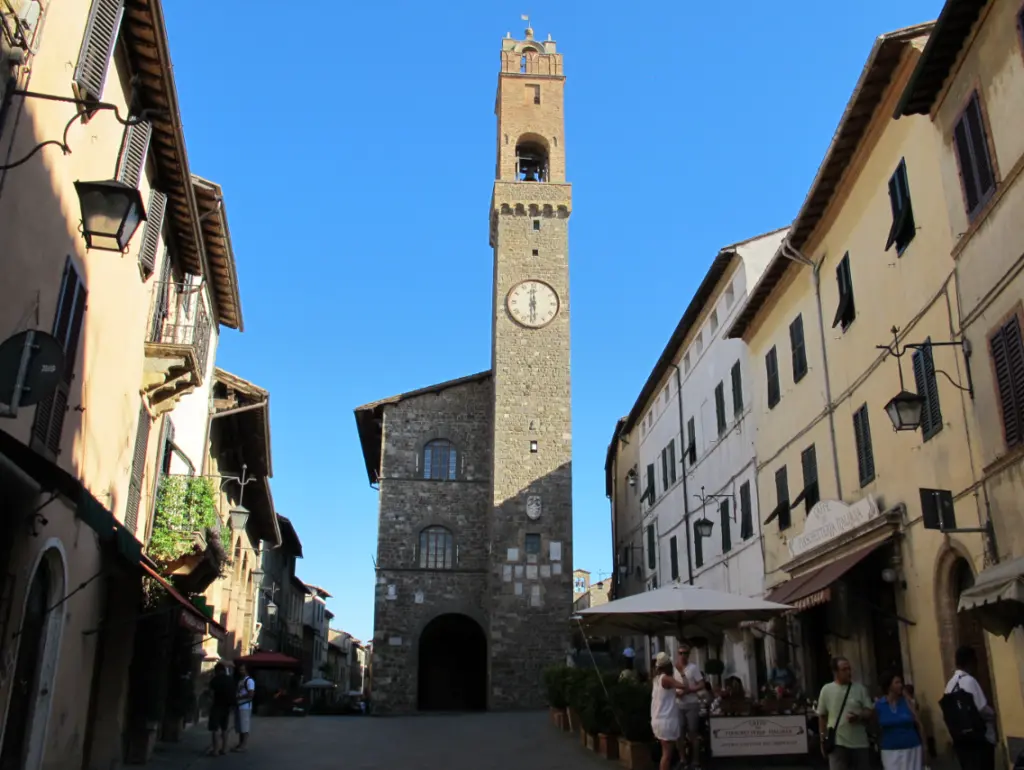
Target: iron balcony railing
{"points": [[179, 317]]}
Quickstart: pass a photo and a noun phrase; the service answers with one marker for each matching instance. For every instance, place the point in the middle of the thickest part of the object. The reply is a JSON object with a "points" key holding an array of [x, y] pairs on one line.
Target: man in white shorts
{"points": [[689, 705], [243, 707]]}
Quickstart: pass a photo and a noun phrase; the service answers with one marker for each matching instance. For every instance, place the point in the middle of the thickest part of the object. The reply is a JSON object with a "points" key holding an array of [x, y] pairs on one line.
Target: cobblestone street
{"points": [[453, 742]]}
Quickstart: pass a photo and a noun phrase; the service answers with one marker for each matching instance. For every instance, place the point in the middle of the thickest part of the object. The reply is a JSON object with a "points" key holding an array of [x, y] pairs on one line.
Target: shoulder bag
{"points": [[830, 735]]}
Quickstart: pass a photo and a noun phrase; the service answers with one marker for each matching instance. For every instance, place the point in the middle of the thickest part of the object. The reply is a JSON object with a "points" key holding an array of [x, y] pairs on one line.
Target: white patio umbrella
{"points": [[319, 684], [680, 610]]}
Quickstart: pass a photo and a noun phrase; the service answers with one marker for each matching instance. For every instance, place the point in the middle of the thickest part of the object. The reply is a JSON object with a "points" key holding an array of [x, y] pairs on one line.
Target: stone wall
{"points": [[407, 597]]}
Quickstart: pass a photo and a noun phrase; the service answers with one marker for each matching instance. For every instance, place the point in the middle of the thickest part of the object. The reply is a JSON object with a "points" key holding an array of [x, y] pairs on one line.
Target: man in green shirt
{"points": [[849, 720]]}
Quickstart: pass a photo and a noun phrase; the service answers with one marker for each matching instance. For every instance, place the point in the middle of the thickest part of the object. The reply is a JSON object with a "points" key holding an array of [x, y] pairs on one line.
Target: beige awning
{"points": [[997, 597]]}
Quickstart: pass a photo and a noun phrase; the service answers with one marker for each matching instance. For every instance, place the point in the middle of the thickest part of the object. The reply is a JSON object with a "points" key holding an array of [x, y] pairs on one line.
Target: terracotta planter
{"points": [[608, 746], [553, 714], [591, 741], [583, 737], [562, 721], [634, 755], [574, 720]]}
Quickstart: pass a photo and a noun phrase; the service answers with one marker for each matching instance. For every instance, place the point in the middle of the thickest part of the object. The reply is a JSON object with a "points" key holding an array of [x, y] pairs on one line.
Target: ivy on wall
{"points": [[185, 505]]}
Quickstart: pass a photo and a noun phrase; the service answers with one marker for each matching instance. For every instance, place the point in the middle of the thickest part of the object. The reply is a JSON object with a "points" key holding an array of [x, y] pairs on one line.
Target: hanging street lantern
{"points": [[111, 213], [905, 410]]}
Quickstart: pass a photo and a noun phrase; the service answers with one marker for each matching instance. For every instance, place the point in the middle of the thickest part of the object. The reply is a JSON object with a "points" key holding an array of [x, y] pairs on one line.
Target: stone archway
{"points": [[452, 665], [956, 575], [35, 667]]}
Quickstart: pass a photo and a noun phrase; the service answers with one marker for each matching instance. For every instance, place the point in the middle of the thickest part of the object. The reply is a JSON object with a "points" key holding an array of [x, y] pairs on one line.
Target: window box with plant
{"points": [[186, 520]]}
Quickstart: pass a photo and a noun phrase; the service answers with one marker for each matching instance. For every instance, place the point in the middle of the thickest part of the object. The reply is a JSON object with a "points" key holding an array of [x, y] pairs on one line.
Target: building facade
{"points": [[851, 535], [132, 317], [969, 82], [695, 458], [474, 578]]}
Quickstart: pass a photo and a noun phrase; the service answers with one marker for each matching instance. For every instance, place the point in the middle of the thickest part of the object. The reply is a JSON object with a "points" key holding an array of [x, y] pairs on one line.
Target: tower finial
{"points": [[529, 29]]}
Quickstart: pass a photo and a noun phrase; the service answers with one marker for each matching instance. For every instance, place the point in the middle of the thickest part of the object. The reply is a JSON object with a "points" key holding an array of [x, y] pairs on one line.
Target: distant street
{"points": [[502, 741]]}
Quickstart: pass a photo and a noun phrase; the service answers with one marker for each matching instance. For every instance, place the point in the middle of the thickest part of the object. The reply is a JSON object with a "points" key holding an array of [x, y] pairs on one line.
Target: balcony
{"points": [[177, 344], [185, 540]]}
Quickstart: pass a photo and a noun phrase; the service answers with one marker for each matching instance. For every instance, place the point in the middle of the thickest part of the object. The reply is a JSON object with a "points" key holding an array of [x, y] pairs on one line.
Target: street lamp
{"points": [[111, 213], [905, 410], [239, 515], [704, 527]]}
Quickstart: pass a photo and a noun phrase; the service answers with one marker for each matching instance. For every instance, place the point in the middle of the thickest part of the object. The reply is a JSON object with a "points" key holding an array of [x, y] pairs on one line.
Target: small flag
{"points": [[524, 17]]}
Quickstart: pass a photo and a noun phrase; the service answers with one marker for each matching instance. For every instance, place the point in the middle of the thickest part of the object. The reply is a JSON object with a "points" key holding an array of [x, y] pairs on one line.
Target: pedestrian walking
{"points": [[222, 692], [689, 700], [844, 708], [901, 730], [665, 720], [245, 692], [969, 718]]}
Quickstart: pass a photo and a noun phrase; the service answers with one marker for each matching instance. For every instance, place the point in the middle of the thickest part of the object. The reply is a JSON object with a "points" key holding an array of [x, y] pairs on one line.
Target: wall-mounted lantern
{"points": [[111, 213]]}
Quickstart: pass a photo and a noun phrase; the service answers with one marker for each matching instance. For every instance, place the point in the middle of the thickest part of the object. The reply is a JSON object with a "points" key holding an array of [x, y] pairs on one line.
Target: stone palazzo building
{"points": [[474, 558]]}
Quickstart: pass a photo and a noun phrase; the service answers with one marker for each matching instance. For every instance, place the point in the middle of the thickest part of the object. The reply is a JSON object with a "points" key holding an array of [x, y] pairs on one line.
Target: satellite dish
{"points": [[31, 365]]}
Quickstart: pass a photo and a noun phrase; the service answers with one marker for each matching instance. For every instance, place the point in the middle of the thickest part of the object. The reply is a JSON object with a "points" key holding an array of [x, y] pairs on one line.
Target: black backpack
{"points": [[963, 720]]}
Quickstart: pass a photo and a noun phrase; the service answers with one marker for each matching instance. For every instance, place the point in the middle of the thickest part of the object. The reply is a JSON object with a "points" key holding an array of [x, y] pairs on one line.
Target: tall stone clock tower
{"points": [[531, 522]]}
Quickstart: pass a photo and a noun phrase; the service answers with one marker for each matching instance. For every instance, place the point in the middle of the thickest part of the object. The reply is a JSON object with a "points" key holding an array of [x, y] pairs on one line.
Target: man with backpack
{"points": [[969, 718]]}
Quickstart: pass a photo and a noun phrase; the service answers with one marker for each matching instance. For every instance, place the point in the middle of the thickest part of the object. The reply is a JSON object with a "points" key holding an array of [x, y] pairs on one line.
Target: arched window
{"points": [[437, 548], [439, 460]]}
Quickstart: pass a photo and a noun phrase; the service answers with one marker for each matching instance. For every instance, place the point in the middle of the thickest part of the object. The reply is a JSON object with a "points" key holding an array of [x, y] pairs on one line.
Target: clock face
{"points": [[532, 303]]}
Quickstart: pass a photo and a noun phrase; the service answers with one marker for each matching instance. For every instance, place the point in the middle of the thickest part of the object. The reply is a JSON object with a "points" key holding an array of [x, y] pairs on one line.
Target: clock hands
{"points": [[533, 303]]}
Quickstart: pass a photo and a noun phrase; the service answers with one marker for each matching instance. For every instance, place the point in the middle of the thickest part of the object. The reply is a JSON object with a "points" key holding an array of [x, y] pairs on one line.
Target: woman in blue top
{"points": [[900, 727]]}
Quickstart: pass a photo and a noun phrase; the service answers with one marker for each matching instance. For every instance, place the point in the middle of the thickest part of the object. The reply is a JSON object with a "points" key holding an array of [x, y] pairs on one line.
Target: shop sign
{"points": [[831, 519], [758, 736], [190, 621]]}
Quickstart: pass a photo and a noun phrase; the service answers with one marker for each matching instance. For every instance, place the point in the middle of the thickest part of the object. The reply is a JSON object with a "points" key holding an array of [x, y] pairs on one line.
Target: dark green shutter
{"points": [[1007, 350], [724, 516], [865, 453], [737, 389], [720, 407], [698, 547], [652, 561], [673, 553], [746, 514]]}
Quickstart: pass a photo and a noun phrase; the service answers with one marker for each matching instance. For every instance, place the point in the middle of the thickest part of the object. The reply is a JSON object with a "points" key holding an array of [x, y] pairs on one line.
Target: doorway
{"points": [[35, 666], [969, 632], [452, 665]]}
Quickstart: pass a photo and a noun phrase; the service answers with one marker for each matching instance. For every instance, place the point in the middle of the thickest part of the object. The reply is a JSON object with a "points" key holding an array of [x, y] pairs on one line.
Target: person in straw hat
{"points": [[664, 708]]}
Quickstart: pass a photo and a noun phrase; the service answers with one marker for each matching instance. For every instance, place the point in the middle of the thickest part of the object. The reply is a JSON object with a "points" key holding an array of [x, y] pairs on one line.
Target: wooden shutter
{"points": [[652, 559], [724, 517], [673, 554], [979, 147], [809, 466], [134, 147], [865, 454], [928, 388], [746, 514], [782, 496], [1007, 351], [691, 439], [672, 461], [48, 423], [737, 389], [771, 365], [664, 468], [151, 233], [720, 407], [798, 348], [698, 547], [131, 512], [97, 50]]}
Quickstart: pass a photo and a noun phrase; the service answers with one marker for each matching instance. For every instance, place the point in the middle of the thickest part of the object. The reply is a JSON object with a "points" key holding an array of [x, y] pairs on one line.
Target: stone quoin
{"points": [[474, 558]]}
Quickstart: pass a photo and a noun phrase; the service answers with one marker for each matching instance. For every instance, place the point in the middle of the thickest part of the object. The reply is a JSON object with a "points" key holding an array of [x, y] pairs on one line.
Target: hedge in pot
{"points": [[631, 703], [595, 710], [556, 680], [576, 695]]}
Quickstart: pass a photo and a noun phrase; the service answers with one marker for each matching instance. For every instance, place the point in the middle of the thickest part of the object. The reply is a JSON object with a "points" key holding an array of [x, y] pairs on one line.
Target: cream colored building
{"points": [[970, 83], [848, 504], [133, 317]]}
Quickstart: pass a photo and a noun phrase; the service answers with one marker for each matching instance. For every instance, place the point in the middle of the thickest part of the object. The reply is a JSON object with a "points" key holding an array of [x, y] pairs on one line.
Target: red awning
{"points": [[193, 617], [815, 587], [268, 660]]}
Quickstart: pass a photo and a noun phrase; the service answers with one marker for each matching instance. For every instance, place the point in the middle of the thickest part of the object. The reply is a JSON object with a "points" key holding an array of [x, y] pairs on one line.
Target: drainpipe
{"points": [[686, 495], [790, 252]]}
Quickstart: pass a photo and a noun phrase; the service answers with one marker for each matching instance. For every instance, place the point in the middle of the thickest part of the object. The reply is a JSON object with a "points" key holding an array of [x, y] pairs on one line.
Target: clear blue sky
{"points": [[355, 143]]}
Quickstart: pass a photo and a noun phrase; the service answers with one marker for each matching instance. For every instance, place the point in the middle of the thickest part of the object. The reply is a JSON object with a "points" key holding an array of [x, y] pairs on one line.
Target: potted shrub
{"points": [[556, 680], [631, 706], [603, 716], [576, 696]]}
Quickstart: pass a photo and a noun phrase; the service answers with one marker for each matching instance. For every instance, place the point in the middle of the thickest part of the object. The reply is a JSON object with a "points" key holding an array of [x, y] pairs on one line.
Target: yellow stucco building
{"points": [[851, 507]]}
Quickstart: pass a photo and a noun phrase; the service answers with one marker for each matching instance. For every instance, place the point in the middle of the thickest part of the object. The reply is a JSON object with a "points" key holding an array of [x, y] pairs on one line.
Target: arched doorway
{"points": [[968, 630], [35, 666], [452, 665]]}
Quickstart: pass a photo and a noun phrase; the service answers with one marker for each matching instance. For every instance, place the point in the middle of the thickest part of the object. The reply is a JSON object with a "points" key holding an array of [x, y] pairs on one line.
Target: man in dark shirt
{"points": [[222, 688]]}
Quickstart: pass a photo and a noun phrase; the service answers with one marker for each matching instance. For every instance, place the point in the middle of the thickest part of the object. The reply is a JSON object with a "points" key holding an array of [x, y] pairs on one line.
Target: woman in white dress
{"points": [[664, 709], [901, 727]]}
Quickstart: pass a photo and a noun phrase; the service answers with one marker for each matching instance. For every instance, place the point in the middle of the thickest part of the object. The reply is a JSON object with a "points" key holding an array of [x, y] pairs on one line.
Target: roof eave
{"points": [[229, 298], [939, 56]]}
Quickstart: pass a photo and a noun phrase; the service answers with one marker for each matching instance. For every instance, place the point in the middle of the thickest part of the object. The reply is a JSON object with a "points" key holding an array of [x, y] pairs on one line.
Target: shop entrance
{"points": [[452, 666]]}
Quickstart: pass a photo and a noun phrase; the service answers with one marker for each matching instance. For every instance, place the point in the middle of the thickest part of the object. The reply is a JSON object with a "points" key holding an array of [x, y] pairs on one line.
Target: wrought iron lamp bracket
{"points": [[86, 107], [965, 347]]}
